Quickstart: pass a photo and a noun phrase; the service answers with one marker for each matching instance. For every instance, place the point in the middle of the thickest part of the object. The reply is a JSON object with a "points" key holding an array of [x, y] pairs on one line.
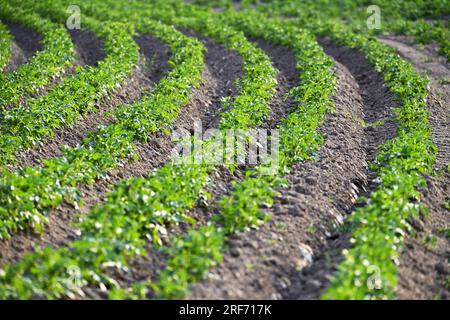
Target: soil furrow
{"points": [[424, 264], [26, 43], [283, 258], [89, 52], [152, 66]]}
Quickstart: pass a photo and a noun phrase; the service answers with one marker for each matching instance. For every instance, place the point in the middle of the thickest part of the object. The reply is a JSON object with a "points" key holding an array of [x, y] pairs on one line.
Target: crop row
{"points": [[241, 210], [35, 190], [136, 211], [96, 246], [48, 64], [5, 45], [27, 126]]}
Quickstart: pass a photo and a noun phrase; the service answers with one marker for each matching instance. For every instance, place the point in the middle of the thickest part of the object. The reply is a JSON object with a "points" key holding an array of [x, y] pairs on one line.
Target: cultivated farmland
{"points": [[169, 149]]}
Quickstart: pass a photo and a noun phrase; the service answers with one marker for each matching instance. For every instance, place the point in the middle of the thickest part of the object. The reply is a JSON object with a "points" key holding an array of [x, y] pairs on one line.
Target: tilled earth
{"points": [[424, 264]]}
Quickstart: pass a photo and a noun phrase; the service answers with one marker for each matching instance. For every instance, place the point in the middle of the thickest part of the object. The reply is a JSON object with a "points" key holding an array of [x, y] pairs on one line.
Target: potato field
{"points": [[254, 149]]}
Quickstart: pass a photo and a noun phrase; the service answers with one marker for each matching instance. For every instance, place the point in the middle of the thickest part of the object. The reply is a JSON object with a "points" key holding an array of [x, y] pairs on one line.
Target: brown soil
{"points": [[147, 267], [88, 47], [283, 259], [280, 105], [17, 58], [26, 42], [424, 265]]}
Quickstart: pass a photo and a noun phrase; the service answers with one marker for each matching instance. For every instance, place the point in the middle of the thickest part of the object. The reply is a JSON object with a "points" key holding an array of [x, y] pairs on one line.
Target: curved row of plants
{"points": [[423, 20], [380, 226], [5, 45], [256, 87], [136, 211], [95, 246], [29, 194], [48, 64], [27, 126], [139, 210], [369, 270], [33, 189], [191, 256]]}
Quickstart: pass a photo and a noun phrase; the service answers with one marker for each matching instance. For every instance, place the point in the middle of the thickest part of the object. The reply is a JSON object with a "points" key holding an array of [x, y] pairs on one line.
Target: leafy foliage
{"points": [[46, 65], [240, 211], [381, 224], [27, 126], [5, 45], [139, 210]]}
